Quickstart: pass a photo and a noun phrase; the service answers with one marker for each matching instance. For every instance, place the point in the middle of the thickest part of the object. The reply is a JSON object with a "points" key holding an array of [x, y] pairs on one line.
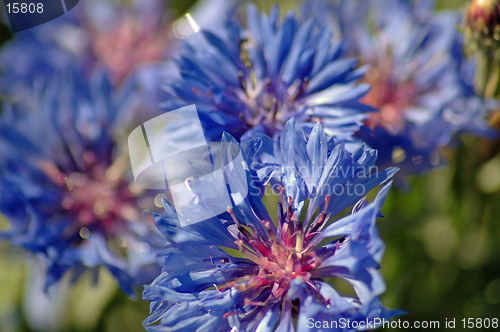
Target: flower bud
{"points": [[482, 25]]}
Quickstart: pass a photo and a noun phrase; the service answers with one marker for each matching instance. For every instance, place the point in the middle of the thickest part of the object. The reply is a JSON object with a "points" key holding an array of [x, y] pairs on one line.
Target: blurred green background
{"points": [[442, 260]]}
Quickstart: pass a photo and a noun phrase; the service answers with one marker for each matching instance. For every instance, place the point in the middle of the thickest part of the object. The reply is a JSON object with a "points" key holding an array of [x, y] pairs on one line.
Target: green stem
{"points": [[481, 78], [496, 77], [488, 74]]}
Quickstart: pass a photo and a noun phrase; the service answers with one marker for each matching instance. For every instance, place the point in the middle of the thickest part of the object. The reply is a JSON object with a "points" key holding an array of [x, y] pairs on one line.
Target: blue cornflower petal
{"points": [[343, 176]]}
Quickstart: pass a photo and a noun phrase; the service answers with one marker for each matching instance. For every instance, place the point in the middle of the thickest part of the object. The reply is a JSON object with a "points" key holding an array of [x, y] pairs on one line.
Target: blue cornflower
{"points": [[93, 34], [65, 186], [277, 276], [255, 77], [421, 80]]}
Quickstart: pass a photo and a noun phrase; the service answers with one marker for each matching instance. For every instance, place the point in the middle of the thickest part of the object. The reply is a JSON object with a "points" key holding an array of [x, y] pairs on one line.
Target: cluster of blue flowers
{"points": [[65, 183], [421, 80], [323, 106]]}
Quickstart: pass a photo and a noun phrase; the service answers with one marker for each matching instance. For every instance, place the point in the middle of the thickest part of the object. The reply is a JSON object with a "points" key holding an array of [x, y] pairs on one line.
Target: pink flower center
{"points": [[281, 258], [96, 196], [391, 98], [128, 44]]}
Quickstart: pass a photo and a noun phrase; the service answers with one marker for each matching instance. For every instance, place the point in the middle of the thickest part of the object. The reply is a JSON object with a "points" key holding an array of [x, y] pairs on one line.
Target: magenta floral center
{"points": [[97, 195], [129, 44], [283, 257], [391, 98]]}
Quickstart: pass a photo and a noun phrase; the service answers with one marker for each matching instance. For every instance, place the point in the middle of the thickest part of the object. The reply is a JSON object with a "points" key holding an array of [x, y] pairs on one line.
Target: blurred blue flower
{"points": [[96, 33], [256, 77], [421, 80], [65, 185], [276, 278]]}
